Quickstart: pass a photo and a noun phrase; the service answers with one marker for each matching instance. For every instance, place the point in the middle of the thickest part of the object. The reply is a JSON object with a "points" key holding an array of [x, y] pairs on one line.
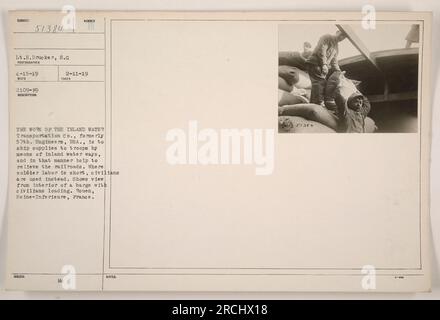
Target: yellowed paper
{"points": [[161, 151]]}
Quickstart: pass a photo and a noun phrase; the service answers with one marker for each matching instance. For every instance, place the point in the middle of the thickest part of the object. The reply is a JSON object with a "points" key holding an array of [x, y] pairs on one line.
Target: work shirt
{"points": [[326, 53], [352, 121]]}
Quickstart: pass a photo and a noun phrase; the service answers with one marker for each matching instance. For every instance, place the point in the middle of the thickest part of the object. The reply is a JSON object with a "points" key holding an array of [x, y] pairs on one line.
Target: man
{"points": [[322, 62], [352, 113], [295, 58], [307, 50]]}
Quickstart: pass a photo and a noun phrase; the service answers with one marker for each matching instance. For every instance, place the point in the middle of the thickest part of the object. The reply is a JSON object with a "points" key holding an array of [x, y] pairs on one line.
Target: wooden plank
{"points": [[357, 42]]}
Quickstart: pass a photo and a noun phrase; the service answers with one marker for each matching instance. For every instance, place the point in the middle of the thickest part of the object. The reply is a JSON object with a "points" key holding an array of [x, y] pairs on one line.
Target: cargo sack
{"points": [[370, 125], [312, 112], [293, 59], [286, 98], [283, 85], [338, 86], [294, 76], [293, 124]]}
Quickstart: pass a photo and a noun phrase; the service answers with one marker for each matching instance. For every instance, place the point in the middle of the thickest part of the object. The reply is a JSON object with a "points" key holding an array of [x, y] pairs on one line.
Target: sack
{"points": [[293, 124], [292, 58], [289, 74], [294, 76], [286, 98], [370, 125], [283, 85], [338, 86], [312, 112]]}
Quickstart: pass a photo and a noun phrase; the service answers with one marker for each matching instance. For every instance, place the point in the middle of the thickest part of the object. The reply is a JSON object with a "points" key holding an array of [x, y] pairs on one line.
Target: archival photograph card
{"points": [[220, 151]]}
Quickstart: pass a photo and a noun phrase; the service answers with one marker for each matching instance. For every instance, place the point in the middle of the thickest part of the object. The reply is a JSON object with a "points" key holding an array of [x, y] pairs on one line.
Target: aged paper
{"points": [[277, 151]]}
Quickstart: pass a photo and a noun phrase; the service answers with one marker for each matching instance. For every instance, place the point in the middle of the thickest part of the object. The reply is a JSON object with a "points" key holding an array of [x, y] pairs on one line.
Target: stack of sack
{"points": [[296, 113]]}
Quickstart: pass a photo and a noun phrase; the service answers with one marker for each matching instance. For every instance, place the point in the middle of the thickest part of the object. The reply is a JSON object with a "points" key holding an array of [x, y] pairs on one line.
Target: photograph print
{"points": [[335, 78]]}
